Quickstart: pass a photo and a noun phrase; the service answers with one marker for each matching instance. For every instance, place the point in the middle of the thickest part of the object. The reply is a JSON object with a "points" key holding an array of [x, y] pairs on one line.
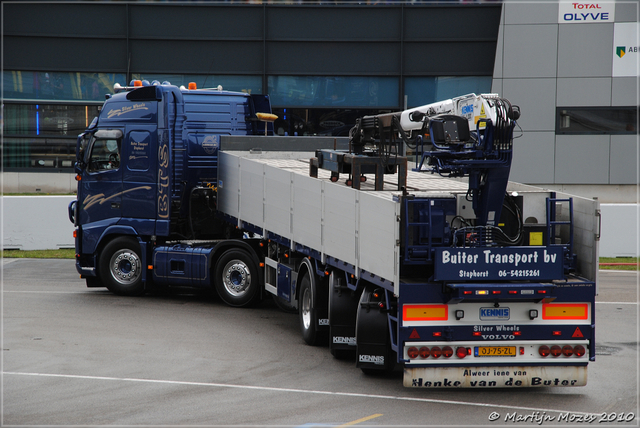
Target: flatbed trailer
{"points": [[506, 302], [465, 281]]}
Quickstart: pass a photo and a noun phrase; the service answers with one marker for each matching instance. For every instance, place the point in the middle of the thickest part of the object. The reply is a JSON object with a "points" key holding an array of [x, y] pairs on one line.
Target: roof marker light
{"points": [[192, 85]]}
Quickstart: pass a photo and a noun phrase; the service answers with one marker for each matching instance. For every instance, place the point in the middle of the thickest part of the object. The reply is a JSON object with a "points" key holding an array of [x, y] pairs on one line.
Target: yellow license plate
{"points": [[495, 351]]}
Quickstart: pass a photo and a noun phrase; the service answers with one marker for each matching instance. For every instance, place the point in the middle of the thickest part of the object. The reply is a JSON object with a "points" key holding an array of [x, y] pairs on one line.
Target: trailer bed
{"points": [[358, 227]]}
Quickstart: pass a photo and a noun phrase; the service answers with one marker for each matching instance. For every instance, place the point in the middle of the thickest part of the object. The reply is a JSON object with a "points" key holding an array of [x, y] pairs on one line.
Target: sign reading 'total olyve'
{"points": [[626, 49], [572, 12]]}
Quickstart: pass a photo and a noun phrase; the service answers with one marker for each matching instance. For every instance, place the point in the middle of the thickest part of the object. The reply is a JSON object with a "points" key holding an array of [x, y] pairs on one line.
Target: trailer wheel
{"points": [[308, 315], [120, 267], [236, 278]]}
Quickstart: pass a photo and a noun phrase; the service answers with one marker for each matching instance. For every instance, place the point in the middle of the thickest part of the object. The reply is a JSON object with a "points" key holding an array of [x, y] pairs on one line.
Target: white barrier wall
{"points": [[36, 222], [620, 230], [42, 222]]}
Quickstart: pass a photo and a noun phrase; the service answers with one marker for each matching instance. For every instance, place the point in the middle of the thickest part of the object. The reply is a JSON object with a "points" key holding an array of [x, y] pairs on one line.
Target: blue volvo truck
{"points": [[445, 269]]}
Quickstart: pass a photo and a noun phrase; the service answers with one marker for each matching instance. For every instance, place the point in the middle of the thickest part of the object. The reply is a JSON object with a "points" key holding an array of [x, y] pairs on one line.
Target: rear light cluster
{"points": [[436, 352], [566, 350]]}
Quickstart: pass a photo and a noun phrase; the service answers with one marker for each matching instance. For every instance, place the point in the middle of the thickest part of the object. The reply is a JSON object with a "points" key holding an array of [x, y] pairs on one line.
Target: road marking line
{"points": [[367, 418], [617, 303], [95, 293], [297, 391]]}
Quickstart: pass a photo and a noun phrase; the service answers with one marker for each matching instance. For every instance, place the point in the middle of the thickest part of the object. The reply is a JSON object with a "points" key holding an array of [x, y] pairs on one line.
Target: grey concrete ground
{"points": [[78, 356]]}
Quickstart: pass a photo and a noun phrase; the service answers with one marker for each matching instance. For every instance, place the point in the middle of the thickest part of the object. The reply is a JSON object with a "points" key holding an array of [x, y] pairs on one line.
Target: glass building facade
{"points": [[322, 66]]}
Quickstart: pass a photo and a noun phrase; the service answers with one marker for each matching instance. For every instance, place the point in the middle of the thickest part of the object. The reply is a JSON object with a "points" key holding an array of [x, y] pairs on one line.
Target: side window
{"points": [[105, 155]]}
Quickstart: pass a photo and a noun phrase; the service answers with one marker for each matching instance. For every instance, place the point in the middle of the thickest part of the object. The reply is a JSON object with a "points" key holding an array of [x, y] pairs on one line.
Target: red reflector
{"points": [[477, 333], [424, 352], [437, 334], [578, 350], [577, 333], [414, 334], [542, 291], [567, 350], [517, 333], [556, 333], [447, 352], [522, 350], [495, 292], [436, 352], [463, 352], [412, 352], [513, 291], [467, 292], [381, 305], [555, 351], [543, 351]]}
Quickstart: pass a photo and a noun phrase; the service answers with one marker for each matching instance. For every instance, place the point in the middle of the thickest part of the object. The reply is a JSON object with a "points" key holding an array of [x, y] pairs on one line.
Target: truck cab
{"points": [[146, 169]]}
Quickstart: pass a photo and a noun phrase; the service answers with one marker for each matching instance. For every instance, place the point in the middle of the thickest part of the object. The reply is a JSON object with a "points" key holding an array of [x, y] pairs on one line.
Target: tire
{"points": [[308, 315], [236, 278], [120, 267]]}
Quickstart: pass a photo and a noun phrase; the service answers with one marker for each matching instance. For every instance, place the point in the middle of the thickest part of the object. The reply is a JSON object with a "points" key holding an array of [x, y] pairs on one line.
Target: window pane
{"points": [[427, 90], [47, 153], [596, 120], [105, 155], [47, 119], [328, 91], [59, 86]]}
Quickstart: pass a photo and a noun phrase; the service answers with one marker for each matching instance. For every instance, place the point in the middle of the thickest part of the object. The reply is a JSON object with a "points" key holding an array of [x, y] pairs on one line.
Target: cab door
{"points": [[100, 185], [139, 172]]}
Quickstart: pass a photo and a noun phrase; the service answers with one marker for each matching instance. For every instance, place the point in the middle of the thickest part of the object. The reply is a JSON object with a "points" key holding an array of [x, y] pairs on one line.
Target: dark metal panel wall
{"points": [[258, 39], [191, 22], [331, 23]]}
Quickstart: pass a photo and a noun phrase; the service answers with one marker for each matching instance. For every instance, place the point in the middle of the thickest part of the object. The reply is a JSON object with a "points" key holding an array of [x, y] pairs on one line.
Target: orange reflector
{"points": [[192, 85], [425, 313], [569, 311], [261, 264], [150, 267], [75, 233], [78, 177]]}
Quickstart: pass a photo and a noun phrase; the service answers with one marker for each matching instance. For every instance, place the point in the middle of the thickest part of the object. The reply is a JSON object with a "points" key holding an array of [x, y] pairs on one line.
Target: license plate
{"points": [[495, 351]]}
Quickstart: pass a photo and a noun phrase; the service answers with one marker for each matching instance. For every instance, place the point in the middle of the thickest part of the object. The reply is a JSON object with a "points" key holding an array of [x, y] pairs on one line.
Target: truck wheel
{"points": [[308, 315], [236, 278], [120, 267]]}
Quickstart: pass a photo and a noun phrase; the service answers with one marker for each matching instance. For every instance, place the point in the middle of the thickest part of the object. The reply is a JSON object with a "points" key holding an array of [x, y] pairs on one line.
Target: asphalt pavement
{"points": [[78, 356]]}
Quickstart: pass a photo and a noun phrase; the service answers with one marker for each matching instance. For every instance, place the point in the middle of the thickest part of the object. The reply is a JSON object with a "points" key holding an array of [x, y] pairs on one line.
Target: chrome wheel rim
{"points": [[125, 267]]}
